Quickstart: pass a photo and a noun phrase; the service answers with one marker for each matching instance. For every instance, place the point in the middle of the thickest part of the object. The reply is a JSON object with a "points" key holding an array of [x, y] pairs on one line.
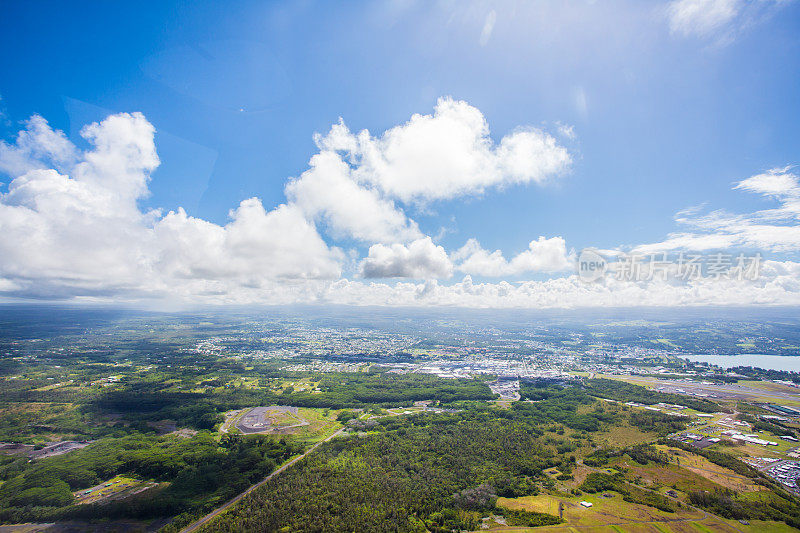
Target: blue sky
{"points": [[660, 107]]}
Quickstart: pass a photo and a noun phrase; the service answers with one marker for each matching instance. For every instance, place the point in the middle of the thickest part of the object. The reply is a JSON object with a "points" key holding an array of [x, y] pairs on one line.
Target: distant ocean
{"points": [[767, 362]]}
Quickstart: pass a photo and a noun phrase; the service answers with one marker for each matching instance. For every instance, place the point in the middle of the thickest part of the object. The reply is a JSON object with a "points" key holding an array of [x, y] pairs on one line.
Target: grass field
{"points": [[404, 410], [669, 476], [40, 422], [604, 512], [115, 488], [761, 526], [768, 385], [714, 473], [299, 385], [613, 515], [279, 418], [622, 436], [319, 425]]}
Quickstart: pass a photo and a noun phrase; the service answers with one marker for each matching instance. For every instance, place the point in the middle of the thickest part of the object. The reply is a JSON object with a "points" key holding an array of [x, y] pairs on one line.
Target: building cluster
{"points": [[470, 367], [321, 366], [787, 473], [751, 438]]}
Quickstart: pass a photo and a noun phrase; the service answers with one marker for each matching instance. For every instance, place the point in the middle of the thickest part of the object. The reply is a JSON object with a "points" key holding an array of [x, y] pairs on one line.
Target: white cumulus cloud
{"points": [[79, 230], [72, 226], [446, 155], [255, 246], [327, 192], [778, 182], [779, 284], [37, 146], [421, 259], [542, 255]]}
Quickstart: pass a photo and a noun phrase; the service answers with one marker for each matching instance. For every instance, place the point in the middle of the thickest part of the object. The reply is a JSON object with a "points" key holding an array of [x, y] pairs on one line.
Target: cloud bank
{"points": [[77, 230], [71, 225]]}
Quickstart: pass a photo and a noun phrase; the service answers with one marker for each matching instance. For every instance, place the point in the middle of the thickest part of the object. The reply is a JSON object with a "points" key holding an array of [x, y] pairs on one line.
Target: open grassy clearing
{"points": [[613, 515], [770, 399], [322, 424], [404, 410], [668, 476], [54, 386], [115, 488], [604, 511], [279, 418], [624, 435], [710, 471], [297, 385], [709, 525], [763, 526]]}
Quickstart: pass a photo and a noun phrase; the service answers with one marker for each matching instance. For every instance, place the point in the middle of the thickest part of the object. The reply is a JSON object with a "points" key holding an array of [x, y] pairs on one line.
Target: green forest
{"points": [[201, 473], [440, 472]]}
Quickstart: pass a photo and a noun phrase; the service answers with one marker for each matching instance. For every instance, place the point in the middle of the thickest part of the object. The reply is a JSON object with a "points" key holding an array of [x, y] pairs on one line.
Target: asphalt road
{"points": [[195, 525], [216, 512]]}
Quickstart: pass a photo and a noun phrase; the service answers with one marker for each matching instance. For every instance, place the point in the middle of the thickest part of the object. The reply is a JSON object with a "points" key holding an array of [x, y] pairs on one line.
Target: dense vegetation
{"points": [[658, 423], [763, 506], [195, 398], [599, 482], [628, 392], [562, 404], [429, 471], [381, 388], [764, 374], [154, 401], [201, 470]]}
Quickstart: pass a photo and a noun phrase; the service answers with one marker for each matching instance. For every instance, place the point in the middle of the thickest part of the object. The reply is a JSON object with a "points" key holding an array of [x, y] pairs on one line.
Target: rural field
{"points": [[612, 515]]}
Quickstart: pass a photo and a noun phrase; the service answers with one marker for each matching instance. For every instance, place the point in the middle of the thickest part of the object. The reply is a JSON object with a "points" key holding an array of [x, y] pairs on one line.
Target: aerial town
{"points": [[117, 411]]}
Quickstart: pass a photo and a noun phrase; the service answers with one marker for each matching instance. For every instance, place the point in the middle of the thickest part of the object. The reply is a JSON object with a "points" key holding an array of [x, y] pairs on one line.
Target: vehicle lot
{"points": [[786, 473]]}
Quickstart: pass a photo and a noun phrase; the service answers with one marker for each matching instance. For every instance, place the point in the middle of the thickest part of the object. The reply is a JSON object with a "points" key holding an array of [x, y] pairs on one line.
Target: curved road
{"points": [[216, 512]]}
